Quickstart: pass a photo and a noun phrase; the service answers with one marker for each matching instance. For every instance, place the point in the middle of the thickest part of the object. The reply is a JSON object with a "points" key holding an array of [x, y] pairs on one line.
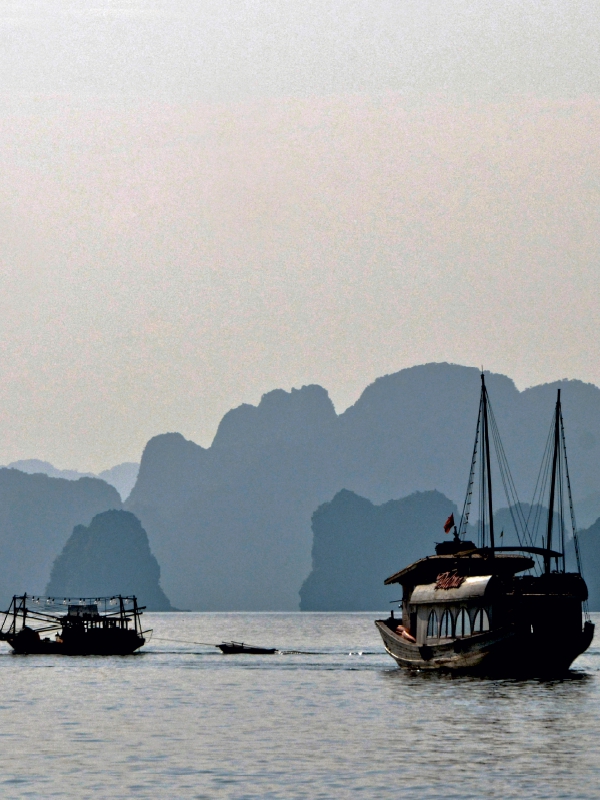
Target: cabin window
{"points": [[481, 623], [463, 623], [446, 625], [432, 626]]}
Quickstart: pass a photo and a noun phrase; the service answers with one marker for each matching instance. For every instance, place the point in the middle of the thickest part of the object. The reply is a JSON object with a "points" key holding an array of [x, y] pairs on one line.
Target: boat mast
{"points": [[557, 416], [15, 614], [486, 444]]}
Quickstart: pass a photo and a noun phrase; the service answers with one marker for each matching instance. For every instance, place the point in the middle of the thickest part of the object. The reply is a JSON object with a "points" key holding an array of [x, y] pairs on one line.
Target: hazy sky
{"points": [[202, 201]]}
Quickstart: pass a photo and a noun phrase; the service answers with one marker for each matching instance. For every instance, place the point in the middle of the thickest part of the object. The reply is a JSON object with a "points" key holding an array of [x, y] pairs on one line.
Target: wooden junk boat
{"points": [[37, 625], [493, 609]]}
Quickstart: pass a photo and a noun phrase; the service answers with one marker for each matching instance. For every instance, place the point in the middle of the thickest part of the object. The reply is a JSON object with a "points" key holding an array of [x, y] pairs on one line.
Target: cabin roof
{"points": [[474, 586], [476, 562], [89, 610]]}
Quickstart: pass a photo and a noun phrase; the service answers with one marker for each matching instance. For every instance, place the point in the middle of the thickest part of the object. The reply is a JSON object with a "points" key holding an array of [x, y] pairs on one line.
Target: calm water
{"points": [[184, 721]]}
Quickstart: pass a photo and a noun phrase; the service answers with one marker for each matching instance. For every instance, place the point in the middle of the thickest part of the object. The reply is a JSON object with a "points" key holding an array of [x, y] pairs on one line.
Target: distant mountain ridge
{"points": [[122, 477], [230, 524], [34, 466]]}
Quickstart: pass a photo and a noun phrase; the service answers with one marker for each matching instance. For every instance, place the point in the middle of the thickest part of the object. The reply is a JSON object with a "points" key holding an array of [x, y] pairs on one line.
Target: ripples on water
{"points": [[184, 721]]}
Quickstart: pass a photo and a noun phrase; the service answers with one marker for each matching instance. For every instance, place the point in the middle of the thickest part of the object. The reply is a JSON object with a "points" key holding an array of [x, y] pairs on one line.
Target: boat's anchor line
{"points": [[185, 641]]}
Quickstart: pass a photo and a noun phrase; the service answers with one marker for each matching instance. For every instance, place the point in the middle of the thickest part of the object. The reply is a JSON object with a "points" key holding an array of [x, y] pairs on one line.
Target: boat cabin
{"points": [[451, 595], [462, 610], [458, 596]]}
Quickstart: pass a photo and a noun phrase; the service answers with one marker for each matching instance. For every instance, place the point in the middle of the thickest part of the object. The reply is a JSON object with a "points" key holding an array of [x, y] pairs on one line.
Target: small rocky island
{"points": [[356, 541], [110, 556]]}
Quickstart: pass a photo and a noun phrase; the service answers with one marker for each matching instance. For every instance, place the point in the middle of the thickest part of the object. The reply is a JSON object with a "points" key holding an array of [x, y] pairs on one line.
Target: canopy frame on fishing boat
{"points": [[83, 630]]}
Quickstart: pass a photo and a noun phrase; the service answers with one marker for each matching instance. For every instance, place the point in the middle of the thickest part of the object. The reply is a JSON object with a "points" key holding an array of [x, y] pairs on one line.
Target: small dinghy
{"points": [[233, 648]]}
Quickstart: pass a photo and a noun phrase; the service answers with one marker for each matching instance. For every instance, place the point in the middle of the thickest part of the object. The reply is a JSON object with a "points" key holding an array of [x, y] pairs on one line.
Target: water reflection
{"points": [[513, 736]]}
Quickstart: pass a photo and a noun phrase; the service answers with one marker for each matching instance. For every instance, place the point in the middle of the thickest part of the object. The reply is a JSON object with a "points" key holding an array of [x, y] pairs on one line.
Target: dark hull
{"points": [[503, 652], [95, 643], [235, 648]]}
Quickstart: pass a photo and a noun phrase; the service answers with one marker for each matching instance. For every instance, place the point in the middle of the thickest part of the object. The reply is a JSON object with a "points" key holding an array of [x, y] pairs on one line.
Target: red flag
{"points": [[449, 524]]}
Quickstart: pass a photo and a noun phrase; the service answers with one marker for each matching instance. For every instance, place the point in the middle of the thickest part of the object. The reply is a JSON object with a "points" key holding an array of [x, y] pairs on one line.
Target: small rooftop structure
{"points": [[88, 610]]}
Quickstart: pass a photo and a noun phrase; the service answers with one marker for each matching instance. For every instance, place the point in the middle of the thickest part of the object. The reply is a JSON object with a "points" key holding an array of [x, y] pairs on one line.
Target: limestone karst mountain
{"points": [[110, 556], [227, 523], [589, 544], [589, 551], [230, 524], [588, 510], [37, 515], [356, 545]]}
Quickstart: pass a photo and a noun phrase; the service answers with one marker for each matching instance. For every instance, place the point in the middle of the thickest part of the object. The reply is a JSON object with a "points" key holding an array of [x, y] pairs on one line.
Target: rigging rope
{"points": [[586, 609], [537, 506], [464, 518], [184, 641], [510, 491]]}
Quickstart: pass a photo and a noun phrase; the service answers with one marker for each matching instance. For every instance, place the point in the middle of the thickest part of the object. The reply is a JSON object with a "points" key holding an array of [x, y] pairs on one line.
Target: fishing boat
{"points": [[494, 609], [235, 648], [90, 626]]}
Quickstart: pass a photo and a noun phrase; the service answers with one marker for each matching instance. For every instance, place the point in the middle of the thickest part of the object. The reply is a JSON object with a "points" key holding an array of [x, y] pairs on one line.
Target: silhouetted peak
{"points": [[576, 395], [414, 502], [568, 384], [168, 445], [170, 465], [279, 414], [169, 451], [426, 386], [344, 502], [111, 525]]}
